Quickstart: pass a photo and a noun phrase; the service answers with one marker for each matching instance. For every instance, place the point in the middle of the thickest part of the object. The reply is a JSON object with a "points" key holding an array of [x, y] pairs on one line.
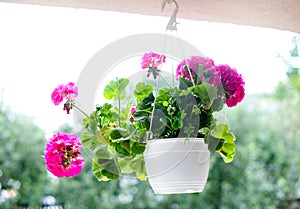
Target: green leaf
{"points": [[218, 104], [116, 89], [111, 174], [104, 115], [228, 147], [205, 132], [106, 108], [85, 122], [106, 166], [138, 148], [102, 139], [131, 165], [118, 133], [214, 144], [227, 151], [184, 84], [89, 139], [165, 103], [98, 168], [221, 131], [177, 124], [207, 94], [164, 94], [146, 103], [142, 91], [93, 122], [140, 115], [189, 129], [124, 165], [182, 114], [97, 171], [184, 92], [102, 154], [137, 164], [196, 110], [142, 176], [123, 147]]}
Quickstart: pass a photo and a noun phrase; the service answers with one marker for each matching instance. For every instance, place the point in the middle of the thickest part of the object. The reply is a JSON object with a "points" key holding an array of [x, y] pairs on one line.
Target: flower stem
{"points": [[80, 110]]}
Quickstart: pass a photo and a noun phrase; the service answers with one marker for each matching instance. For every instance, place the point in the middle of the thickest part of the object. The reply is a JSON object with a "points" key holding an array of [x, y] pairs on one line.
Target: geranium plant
{"points": [[117, 131]]}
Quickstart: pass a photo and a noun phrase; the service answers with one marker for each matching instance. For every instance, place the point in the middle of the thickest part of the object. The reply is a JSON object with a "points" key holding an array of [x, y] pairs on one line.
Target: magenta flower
{"points": [[57, 95], [133, 109], [151, 61], [233, 85], [188, 68], [62, 155], [72, 90], [61, 92], [68, 92]]}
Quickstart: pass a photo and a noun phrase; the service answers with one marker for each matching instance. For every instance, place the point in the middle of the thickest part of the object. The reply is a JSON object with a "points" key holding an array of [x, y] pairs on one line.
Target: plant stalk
{"points": [[80, 110]]}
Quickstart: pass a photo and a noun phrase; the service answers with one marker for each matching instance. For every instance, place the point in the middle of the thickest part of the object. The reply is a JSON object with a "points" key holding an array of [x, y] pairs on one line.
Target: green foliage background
{"points": [[264, 174]]}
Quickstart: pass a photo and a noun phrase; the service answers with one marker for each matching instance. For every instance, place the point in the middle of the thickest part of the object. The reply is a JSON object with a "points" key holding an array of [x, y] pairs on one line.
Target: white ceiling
{"points": [[278, 14]]}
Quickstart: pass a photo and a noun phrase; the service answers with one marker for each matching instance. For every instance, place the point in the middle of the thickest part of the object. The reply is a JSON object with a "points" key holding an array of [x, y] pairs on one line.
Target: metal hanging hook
{"points": [[172, 22]]}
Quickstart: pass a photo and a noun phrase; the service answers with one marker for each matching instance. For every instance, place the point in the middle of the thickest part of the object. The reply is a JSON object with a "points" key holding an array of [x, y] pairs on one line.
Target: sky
{"points": [[42, 47]]}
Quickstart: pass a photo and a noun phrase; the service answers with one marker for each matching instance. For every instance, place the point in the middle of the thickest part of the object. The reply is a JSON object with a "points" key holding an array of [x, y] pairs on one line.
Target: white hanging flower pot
{"points": [[177, 165]]}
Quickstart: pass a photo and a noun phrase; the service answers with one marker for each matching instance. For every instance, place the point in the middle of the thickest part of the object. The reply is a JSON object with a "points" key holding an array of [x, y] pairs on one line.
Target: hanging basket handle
{"points": [[149, 135], [172, 22]]}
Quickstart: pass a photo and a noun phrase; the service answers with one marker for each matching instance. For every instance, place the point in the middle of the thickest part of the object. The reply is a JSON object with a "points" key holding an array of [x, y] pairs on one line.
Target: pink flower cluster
{"points": [[188, 68], [62, 92], [223, 75], [62, 155], [151, 61], [233, 85]]}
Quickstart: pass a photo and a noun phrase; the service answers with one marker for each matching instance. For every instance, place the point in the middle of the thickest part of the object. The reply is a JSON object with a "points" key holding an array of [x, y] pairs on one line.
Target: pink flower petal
{"points": [[61, 155]]}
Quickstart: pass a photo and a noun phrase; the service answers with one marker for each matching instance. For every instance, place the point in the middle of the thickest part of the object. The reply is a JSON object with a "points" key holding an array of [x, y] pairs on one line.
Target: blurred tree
{"points": [[22, 171], [291, 86]]}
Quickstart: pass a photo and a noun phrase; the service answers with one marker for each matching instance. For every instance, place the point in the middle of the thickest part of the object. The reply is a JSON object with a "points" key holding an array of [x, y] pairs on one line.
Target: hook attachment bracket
{"points": [[172, 24]]}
